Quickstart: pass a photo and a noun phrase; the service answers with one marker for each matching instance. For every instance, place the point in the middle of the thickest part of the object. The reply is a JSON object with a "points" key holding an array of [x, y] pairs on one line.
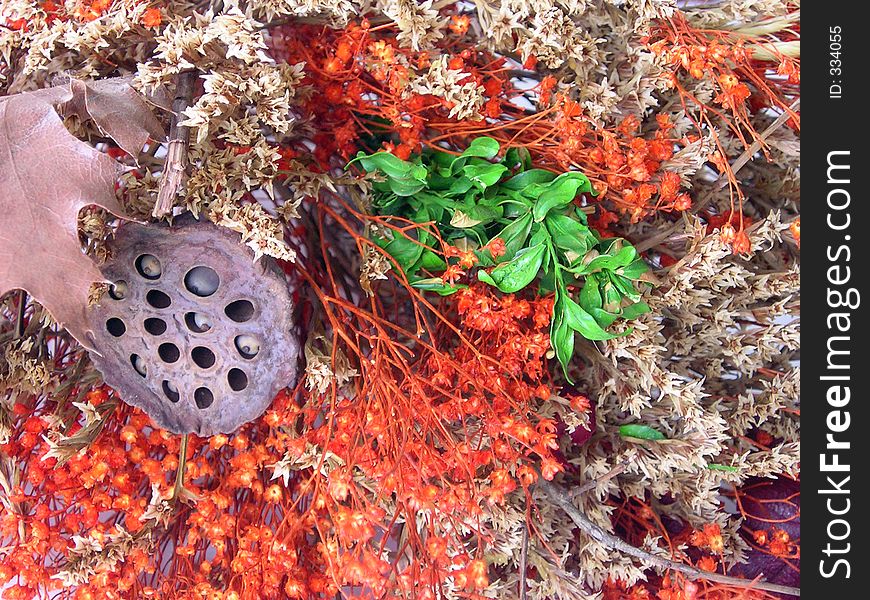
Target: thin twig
{"points": [[524, 560], [561, 498], [176, 151], [182, 464], [582, 489], [738, 164], [756, 145], [19, 316], [665, 235]]}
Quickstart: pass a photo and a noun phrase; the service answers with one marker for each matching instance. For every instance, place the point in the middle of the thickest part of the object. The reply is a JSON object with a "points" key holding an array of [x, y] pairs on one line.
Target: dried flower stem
{"points": [[562, 499], [756, 145], [179, 473], [176, 152], [19, 315], [524, 558], [589, 485]]}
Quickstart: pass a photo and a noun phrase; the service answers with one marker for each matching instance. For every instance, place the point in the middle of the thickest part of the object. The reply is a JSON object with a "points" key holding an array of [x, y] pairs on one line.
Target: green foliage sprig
{"points": [[476, 197]]}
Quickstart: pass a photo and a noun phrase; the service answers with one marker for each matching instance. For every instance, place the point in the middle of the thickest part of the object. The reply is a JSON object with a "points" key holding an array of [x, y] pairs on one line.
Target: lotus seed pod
{"points": [[194, 332]]}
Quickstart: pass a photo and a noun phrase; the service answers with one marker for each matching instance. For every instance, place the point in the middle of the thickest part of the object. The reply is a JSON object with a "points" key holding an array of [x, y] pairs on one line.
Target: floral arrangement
{"points": [[548, 256]]}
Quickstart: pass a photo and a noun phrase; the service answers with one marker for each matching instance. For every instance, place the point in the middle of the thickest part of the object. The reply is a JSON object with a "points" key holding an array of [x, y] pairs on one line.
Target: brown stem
{"points": [[756, 145], [561, 499], [182, 464], [738, 164], [524, 559], [19, 315], [176, 151], [606, 477]]}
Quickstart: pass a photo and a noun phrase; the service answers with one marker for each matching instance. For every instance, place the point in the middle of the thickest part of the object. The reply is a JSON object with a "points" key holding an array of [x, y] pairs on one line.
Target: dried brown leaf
{"points": [[117, 110], [46, 176]]}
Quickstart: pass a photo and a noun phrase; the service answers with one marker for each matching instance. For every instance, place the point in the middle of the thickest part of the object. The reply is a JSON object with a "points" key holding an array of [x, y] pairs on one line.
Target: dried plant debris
{"points": [[49, 175], [625, 169]]}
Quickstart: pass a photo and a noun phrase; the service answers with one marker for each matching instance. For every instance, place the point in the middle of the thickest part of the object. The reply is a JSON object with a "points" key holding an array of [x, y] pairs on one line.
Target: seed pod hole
{"points": [[158, 299], [170, 391], [247, 345], [118, 290], [155, 326], [197, 322], [202, 281], [149, 266], [116, 327], [168, 352], [240, 310], [203, 397], [138, 364], [203, 357], [237, 380]]}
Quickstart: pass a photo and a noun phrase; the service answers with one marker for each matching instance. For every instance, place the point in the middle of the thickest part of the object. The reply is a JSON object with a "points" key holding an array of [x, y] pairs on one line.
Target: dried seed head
{"points": [[193, 331]]}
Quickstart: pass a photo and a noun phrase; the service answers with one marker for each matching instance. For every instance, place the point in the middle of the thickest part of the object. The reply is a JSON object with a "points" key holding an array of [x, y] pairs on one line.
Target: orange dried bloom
{"points": [[152, 18], [459, 24], [273, 494], [795, 229]]}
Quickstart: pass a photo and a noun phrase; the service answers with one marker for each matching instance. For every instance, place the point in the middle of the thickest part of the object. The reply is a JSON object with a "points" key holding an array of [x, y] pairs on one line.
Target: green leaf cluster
{"points": [[477, 196]]}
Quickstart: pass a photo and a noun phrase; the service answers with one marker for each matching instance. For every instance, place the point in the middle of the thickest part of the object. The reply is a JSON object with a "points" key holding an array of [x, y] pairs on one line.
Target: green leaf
{"points": [[625, 286], [560, 193], [515, 234], [561, 335], [461, 185], [602, 317], [437, 285], [441, 160], [524, 180], [485, 214], [634, 269], [518, 156], [439, 183], [389, 203], [479, 151], [641, 432], [513, 276], [540, 235], [581, 216], [573, 238], [635, 310], [605, 261], [406, 252], [405, 187], [547, 283], [583, 323], [483, 147], [391, 165], [484, 175], [590, 295], [718, 467], [431, 261]]}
